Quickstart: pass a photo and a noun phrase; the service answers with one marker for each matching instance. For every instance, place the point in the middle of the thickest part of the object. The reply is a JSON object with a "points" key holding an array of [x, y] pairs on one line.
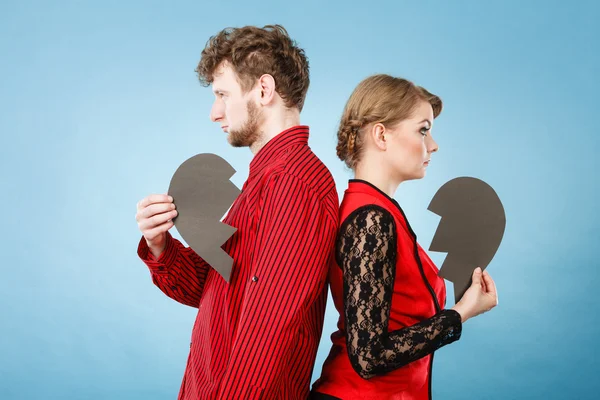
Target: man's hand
{"points": [[154, 217]]}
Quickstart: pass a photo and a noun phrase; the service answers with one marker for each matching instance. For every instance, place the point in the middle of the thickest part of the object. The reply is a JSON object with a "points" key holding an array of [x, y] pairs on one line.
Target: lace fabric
{"points": [[366, 251]]}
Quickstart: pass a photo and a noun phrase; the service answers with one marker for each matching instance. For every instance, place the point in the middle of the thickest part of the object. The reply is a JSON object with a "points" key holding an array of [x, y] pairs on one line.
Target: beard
{"points": [[248, 133]]}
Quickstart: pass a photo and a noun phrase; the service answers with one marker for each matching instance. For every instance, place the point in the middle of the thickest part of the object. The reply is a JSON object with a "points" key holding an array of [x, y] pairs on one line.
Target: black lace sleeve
{"points": [[366, 251]]}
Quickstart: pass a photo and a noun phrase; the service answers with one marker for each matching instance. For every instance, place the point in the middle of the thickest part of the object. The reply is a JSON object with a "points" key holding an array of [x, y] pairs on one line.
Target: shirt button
{"points": [[255, 279]]}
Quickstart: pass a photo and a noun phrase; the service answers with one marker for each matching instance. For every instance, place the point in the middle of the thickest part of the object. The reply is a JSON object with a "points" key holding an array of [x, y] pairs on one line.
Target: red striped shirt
{"points": [[257, 336]]}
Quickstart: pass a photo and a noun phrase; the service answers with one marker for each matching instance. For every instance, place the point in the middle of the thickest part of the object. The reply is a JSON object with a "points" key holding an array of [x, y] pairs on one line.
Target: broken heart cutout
{"points": [[470, 231], [202, 193]]}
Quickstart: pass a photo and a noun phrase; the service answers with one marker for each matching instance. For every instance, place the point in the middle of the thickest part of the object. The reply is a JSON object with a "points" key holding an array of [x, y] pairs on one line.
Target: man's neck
{"points": [[273, 126]]}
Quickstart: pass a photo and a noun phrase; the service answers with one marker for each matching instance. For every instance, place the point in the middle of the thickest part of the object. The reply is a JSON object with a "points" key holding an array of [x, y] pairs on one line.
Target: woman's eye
{"points": [[424, 131]]}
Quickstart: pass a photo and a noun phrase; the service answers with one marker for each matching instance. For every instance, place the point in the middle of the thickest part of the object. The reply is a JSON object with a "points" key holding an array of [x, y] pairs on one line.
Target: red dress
{"points": [[390, 299]]}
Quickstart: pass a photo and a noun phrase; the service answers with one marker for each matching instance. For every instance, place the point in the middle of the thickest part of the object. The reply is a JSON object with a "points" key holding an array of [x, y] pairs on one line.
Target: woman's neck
{"points": [[377, 175]]}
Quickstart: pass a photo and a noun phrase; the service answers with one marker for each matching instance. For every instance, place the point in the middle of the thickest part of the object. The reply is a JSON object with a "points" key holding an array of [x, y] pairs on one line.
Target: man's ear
{"points": [[266, 89]]}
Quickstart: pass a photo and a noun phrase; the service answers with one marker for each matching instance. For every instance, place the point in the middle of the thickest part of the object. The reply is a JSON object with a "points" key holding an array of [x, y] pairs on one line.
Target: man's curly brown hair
{"points": [[252, 52]]}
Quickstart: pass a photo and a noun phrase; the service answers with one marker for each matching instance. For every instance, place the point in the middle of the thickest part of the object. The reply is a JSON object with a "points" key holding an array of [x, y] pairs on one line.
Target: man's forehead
{"points": [[218, 84], [223, 75]]}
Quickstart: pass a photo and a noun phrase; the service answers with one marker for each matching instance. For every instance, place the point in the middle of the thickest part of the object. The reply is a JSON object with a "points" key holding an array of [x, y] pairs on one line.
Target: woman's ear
{"points": [[378, 136]]}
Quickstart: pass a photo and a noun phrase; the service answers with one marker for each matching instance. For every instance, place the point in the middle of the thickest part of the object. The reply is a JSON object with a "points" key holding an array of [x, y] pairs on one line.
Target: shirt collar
{"points": [[278, 146]]}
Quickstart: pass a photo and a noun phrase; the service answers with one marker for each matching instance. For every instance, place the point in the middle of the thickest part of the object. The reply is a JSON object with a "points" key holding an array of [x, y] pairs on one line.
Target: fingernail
{"points": [[170, 198]]}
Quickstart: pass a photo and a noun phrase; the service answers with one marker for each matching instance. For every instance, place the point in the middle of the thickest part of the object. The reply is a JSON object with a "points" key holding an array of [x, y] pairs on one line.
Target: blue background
{"points": [[99, 104]]}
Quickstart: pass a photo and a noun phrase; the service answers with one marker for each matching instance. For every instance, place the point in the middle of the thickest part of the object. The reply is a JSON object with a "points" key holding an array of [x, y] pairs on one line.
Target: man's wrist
{"points": [[157, 250]]}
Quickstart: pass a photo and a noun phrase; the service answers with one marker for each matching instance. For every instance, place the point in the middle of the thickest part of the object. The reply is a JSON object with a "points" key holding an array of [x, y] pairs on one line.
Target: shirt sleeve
{"points": [[178, 272], [366, 251], [294, 247]]}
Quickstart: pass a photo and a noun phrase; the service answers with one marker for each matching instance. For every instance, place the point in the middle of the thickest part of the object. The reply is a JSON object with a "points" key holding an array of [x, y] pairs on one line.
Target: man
{"points": [[256, 336]]}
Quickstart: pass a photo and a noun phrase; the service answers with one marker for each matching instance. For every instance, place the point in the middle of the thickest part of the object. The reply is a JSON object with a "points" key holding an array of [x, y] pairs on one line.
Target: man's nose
{"points": [[216, 112]]}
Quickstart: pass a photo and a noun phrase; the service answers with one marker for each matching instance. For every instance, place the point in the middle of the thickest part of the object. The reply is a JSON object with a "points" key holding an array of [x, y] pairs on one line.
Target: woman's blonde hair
{"points": [[378, 99]]}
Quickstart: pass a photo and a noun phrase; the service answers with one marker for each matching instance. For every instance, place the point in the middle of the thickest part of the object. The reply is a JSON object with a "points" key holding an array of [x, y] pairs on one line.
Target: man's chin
{"points": [[235, 141]]}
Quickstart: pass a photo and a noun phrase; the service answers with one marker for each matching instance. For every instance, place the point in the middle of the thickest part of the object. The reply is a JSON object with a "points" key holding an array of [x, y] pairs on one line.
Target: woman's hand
{"points": [[480, 297]]}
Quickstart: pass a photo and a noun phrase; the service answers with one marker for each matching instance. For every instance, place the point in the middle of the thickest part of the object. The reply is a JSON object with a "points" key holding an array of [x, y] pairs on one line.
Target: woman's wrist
{"points": [[463, 314]]}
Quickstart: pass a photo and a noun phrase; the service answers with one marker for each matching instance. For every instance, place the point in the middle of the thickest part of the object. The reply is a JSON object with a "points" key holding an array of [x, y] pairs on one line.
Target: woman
{"points": [[385, 287]]}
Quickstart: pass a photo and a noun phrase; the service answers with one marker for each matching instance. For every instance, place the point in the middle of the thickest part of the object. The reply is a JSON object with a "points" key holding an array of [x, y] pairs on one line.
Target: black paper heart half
{"points": [[470, 231], [202, 193]]}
